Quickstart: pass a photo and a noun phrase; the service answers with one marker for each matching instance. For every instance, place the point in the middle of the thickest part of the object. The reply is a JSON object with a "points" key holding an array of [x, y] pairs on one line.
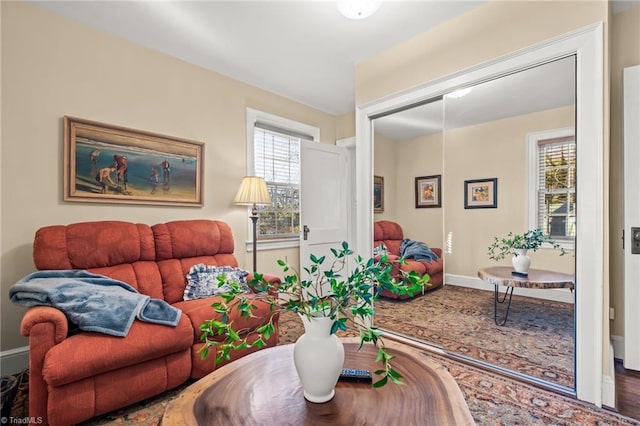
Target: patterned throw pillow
{"points": [[381, 250], [202, 281]]}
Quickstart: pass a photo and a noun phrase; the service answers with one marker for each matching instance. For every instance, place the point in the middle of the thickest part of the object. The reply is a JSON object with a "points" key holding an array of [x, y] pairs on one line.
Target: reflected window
{"points": [[553, 184]]}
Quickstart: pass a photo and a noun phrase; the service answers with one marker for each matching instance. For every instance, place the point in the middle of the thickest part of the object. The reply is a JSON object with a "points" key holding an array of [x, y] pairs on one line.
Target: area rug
{"points": [[492, 399], [537, 339]]}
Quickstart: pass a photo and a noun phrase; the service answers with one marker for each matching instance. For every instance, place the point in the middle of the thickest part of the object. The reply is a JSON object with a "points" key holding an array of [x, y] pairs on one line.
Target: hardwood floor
{"points": [[627, 391]]}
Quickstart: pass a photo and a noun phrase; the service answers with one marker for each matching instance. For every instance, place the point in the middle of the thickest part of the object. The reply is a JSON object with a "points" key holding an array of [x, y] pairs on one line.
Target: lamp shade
{"points": [[253, 190]]}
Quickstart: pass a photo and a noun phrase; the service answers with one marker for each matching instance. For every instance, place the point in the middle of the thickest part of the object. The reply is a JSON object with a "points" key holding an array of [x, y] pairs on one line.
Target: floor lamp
{"points": [[253, 192]]}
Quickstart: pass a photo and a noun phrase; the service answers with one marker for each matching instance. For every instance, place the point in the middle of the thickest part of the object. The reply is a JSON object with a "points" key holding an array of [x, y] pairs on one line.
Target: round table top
{"points": [[263, 389], [537, 278]]}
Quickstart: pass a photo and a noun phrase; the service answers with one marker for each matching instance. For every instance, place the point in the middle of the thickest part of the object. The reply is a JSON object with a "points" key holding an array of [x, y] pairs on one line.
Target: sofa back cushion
{"points": [[388, 233], [121, 250], [182, 244], [92, 245], [155, 260]]}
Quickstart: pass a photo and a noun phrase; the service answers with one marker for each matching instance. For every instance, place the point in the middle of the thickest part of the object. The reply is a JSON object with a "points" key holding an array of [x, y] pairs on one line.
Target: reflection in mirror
{"points": [[519, 130]]}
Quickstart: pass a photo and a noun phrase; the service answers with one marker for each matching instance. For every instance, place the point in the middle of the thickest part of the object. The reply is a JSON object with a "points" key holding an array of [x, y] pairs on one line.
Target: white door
{"points": [[631, 88], [323, 200]]}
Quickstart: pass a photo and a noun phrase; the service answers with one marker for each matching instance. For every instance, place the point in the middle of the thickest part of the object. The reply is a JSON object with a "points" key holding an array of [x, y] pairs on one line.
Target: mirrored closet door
{"points": [[514, 135]]}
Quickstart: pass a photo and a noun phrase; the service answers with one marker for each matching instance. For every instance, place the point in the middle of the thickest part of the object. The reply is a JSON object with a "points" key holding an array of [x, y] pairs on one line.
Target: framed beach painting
{"points": [[104, 163], [378, 194], [428, 191], [481, 193]]}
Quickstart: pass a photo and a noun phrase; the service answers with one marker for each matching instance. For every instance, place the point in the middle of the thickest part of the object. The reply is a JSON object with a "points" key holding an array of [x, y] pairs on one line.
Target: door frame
{"points": [[631, 135], [350, 145], [588, 46]]}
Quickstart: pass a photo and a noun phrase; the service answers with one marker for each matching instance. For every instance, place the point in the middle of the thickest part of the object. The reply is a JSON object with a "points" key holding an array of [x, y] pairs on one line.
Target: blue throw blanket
{"points": [[416, 250], [92, 302]]}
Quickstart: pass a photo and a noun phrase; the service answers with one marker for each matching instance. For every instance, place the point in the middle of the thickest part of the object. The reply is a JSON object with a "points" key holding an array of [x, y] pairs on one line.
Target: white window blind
{"points": [[277, 160], [556, 201]]}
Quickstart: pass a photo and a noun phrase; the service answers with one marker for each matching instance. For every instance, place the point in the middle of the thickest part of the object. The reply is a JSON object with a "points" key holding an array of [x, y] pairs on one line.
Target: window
{"points": [[552, 206], [274, 154], [277, 160]]}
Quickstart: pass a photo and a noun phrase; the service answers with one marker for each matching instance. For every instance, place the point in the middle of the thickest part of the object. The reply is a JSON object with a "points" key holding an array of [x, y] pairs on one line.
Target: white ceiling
{"points": [[304, 50]]}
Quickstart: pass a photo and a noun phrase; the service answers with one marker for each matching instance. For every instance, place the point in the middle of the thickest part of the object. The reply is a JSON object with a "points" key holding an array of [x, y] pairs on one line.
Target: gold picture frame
{"points": [[104, 163], [378, 194]]}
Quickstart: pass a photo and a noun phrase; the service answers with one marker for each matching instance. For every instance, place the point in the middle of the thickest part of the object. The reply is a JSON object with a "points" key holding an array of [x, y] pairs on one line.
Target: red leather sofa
{"points": [[391, 235], [76, 376]]}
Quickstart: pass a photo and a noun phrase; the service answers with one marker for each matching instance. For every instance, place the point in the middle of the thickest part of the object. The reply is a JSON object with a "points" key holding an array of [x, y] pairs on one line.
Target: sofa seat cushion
{"points": [[200, 310], [89, 354]]}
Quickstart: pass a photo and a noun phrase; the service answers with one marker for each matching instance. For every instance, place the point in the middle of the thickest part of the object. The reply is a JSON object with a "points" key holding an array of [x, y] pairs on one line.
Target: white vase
{"points": [[318, 356], [521, 261]]}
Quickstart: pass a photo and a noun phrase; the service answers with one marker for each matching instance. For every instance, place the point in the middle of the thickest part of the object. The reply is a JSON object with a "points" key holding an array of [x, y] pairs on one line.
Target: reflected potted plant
{"points": [[328, 300], [518, 246]]}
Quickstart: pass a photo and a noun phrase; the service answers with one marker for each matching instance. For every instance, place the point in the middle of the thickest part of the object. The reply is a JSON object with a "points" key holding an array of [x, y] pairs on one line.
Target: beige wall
{"points": [[346, 125], [384, 164], [418, 157], [625, 52], [482, 34], [495, 149], [401, 162], [53, 67]]}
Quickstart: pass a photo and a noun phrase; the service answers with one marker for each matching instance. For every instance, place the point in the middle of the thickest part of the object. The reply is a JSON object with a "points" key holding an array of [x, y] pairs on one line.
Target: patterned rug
{"points": [[537, 339], [492, 399]]}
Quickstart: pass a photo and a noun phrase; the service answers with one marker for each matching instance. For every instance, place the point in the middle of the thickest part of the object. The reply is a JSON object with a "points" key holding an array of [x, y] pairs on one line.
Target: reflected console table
{"points": [[537, 279]]}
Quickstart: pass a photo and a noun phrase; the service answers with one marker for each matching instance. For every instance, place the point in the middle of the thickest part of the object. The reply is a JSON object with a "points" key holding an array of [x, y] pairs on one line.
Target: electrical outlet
{"points": [[612, 314]]}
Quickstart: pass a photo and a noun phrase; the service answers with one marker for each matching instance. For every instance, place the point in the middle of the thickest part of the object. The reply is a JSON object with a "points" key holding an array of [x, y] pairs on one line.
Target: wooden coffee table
{"points": [[263, 389]]}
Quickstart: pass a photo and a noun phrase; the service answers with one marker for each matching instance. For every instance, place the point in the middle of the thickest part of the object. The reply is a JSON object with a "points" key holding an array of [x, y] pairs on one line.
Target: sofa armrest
{"points": [[435, 266], [53, 318], [46, 327], [272, 280]]}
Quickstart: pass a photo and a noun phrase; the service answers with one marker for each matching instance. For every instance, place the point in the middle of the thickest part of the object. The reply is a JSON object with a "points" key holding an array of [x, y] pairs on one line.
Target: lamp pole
{"points": [[253, 191], [254, 219]]}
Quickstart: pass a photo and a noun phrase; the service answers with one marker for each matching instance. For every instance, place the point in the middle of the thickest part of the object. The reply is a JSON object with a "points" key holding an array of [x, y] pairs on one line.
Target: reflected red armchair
{"points": [[391, 235]]}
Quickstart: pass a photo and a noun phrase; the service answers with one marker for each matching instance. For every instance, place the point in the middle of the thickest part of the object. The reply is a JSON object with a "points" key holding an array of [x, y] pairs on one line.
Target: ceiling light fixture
{"points": [[358, 9], [459, 93]]}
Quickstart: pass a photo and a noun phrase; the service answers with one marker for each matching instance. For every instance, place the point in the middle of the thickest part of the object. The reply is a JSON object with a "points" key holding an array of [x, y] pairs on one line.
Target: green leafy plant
{"points": [[533, 239], [328, 291]]}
